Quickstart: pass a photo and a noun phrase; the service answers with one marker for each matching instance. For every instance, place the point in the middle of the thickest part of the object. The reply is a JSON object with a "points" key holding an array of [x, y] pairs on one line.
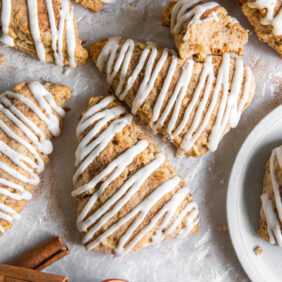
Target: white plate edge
{"points": [[232, 194]]}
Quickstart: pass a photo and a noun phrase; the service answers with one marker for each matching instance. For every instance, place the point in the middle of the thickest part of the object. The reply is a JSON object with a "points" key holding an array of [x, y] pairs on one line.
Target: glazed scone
{"points": [[44, 29], [271, 209], [266, 17], [29, 116], [128, 194], [94, 5], [192, 104], [203, 28]]}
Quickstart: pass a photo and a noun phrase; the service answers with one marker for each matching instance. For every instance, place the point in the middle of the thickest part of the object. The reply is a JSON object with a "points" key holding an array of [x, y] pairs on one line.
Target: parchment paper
{"points": [[206, 256]]}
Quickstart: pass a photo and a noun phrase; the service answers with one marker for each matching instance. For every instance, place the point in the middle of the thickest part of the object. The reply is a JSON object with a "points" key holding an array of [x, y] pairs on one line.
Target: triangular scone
{"points": [[271, 209], [192, 104], [266, 17], [29, 116], [45, 29], [128, 194], [203, 28], [94, 5]]}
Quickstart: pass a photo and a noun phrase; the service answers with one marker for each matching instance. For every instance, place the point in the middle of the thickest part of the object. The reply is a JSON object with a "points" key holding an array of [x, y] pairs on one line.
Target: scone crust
{"points": [[268, 189], [145, 112], [94, 5], [206, 38], [264, 32], [19, 30], [61, 94], [122, 141]]}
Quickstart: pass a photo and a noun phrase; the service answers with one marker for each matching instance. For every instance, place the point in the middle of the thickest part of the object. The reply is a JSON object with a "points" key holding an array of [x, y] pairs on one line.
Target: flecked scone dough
{"points": [[94, 5], [192, 104], [271, 210], [203, 28], [43, 29], [257, 16], [29, 116], [128, 194]]}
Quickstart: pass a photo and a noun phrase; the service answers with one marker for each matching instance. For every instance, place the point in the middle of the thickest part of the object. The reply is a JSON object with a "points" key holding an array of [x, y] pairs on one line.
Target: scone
{"points": [[94, 5], [128, 194], [266, 17], [29, 117], [271, 209], [45, 29], [192, 104], [203, 28]]}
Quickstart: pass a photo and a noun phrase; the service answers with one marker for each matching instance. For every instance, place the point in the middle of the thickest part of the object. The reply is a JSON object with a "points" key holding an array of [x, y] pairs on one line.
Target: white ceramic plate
{"points": [[243, 200]]}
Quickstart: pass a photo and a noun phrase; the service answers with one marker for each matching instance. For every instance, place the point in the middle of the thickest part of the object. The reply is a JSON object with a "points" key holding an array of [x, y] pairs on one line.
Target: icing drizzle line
{"points": [[273, 221], [117, 59], [269, 19], [65, 23], [91, 223], [5, 20], [38, 143], [183, 10]]}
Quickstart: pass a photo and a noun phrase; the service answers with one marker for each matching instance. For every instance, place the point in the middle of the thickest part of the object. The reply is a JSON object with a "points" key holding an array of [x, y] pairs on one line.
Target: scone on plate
{"points": [[266, 17], [203, 28], [94, 5], [271, 209], [192, 104], [128, 194], [44, 29], [29, 116]]}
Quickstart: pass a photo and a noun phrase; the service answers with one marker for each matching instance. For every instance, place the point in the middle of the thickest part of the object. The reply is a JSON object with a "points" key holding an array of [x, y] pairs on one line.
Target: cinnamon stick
{"points": [[15, 273], [43, 255]]}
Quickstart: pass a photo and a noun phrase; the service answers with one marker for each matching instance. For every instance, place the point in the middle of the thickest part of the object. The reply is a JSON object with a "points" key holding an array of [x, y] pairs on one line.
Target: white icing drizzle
{"points": [[149, 79], [90, 116], [33, 133], [19, 119], [231, 104], [71, 40], [35, 30], [276, 154], [121, 197], [29, 147], [273, 224], [19, 160], [65, 25], [91, 223], [269, 19], [47, 102], [5, 21], [183, 11], [88, 150]]}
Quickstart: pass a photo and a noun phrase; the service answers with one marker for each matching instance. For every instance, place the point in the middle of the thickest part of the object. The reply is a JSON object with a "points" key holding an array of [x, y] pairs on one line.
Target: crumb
{"points": [[209, 169], [221, 181], [3, 59], [211, 257], [258, 250], [223, 228], [222, 246]]}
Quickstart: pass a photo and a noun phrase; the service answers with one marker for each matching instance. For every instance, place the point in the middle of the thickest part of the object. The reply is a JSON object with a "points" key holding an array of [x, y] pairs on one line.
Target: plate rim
{"points": [[232, 194]]}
